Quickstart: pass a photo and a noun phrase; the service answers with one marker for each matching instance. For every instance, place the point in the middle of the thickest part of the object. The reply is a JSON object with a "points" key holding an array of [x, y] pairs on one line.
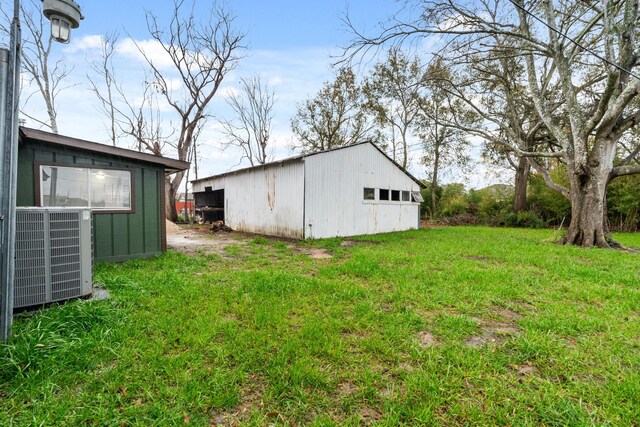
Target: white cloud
{"points": [[275, 81], [83, 43], [458, 23], [152, 49], [228, 91]]}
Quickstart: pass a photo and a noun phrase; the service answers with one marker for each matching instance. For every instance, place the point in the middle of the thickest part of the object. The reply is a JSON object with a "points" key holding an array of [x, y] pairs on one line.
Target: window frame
{"points": [[132, 192], [416, 197], [364, 194], [388, 193]]}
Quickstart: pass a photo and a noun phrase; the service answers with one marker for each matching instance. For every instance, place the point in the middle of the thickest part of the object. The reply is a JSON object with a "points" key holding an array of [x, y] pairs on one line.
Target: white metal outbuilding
{"points": [[346, 191]]}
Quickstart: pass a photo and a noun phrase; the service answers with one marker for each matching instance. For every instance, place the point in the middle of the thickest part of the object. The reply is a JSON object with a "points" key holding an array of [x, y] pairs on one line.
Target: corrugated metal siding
{"points": [[267, 200], [117, 236], [334, 204]]}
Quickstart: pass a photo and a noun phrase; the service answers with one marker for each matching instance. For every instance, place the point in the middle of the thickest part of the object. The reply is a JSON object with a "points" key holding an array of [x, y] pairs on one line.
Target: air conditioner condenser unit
{"points": [[53, 256]]}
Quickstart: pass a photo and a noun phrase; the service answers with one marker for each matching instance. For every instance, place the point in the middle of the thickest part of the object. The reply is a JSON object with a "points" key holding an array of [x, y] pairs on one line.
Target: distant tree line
{"points": [[493, 205]]}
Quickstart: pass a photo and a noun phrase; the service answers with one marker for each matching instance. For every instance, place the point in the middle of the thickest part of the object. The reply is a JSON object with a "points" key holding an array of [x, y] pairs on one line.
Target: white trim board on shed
{"points": [[320, 195]]}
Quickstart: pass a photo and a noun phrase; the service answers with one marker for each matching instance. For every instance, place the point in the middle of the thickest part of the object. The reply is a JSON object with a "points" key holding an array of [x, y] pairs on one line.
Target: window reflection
{"points": [[85, 187]]}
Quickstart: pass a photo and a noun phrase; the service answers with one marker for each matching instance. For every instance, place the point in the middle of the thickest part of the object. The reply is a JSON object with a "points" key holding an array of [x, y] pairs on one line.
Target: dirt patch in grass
{"points": [[525, 369], [346, 388], [195, 240], [369, 415], [426, 340], [571, 342], [507, 314], [198, 240], [314, 253], [495, 331], [318, 253]]}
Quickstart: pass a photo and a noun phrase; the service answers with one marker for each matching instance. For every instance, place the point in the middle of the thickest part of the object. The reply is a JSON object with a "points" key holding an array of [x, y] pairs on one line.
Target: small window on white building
{"points": [[395, 195], [384, 194], [369, 193], [416, 196], [406, 196]]}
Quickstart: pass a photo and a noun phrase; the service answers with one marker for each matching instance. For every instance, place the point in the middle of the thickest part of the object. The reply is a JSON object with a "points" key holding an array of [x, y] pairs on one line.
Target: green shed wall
{"points": [[116, 236]]}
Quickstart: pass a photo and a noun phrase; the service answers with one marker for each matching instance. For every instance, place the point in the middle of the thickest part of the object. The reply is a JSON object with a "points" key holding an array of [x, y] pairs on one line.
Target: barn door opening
{"points": [[209, 205]]}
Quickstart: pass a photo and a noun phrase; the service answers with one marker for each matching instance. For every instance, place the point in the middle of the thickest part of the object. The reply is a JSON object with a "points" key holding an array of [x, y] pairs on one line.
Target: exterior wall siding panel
{"points": [[117, 236], [266, 200], [334, 202]]}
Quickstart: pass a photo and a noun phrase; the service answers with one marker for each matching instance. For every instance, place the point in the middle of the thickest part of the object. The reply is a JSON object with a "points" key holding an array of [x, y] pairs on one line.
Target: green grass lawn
{"points": [[443, 326]]}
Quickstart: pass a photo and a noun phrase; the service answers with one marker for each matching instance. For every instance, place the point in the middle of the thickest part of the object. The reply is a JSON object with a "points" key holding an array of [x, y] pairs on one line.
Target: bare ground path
{"points": [[198, 239]]}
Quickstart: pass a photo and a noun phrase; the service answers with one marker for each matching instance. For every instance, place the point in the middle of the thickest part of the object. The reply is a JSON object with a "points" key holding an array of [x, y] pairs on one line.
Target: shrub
{"points": [[494, 202], [453, 200], [524, 219], [548, 204], [623, 197]]}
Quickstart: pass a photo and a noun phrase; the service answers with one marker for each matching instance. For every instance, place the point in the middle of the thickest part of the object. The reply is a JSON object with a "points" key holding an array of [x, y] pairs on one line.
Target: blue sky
{"points": [[291, 44], [271, 25]]}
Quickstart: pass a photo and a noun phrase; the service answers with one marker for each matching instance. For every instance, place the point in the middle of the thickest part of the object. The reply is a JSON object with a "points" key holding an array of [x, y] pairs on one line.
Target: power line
{"points": [[573, 41]]}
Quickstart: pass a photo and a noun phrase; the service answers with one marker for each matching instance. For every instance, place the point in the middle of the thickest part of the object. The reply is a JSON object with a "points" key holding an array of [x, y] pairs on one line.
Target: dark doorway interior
{"points": [[209, 205]]}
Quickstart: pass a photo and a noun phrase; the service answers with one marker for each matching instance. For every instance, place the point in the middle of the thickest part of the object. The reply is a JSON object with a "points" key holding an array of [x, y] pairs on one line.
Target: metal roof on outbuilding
{"points": [[301, 157]]}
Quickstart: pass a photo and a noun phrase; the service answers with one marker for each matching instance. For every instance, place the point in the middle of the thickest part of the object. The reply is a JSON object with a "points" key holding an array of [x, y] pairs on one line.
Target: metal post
{"points": [[9, 94]]}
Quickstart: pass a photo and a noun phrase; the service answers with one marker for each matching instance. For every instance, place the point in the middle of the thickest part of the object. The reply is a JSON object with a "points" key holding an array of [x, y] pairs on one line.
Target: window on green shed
{"points": [[96, 188]]}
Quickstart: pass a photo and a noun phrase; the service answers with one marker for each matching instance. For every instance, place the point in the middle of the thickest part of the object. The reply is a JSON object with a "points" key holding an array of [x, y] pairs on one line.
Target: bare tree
{"points": [[138, 118], [335, 117], [143, 122], [201, 55], [580, 61], [250, 130], [43, 72], [108, 88]]}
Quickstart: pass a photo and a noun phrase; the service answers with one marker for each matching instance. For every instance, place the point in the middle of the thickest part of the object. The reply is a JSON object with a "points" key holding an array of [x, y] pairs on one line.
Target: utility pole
{"points": [[64, 15], [9, 88]]}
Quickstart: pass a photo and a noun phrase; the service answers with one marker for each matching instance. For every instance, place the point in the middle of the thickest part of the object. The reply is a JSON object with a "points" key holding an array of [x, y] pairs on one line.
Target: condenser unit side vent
{"points": [[53, 255]]}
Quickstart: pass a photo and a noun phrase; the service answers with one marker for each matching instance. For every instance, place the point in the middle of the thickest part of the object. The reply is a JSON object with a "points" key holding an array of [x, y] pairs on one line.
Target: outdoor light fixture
{"points": [[64, 15]]}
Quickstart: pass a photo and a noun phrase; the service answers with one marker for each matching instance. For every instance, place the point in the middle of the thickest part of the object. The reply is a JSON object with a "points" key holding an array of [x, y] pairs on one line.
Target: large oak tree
{"points": [[580, 73]]}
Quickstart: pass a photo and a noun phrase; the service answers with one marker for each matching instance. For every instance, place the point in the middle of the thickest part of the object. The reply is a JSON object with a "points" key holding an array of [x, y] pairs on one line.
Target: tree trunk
{"points": [[522, 176], [186, 199], [588, 197], [172, 186], [434, 180]]}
